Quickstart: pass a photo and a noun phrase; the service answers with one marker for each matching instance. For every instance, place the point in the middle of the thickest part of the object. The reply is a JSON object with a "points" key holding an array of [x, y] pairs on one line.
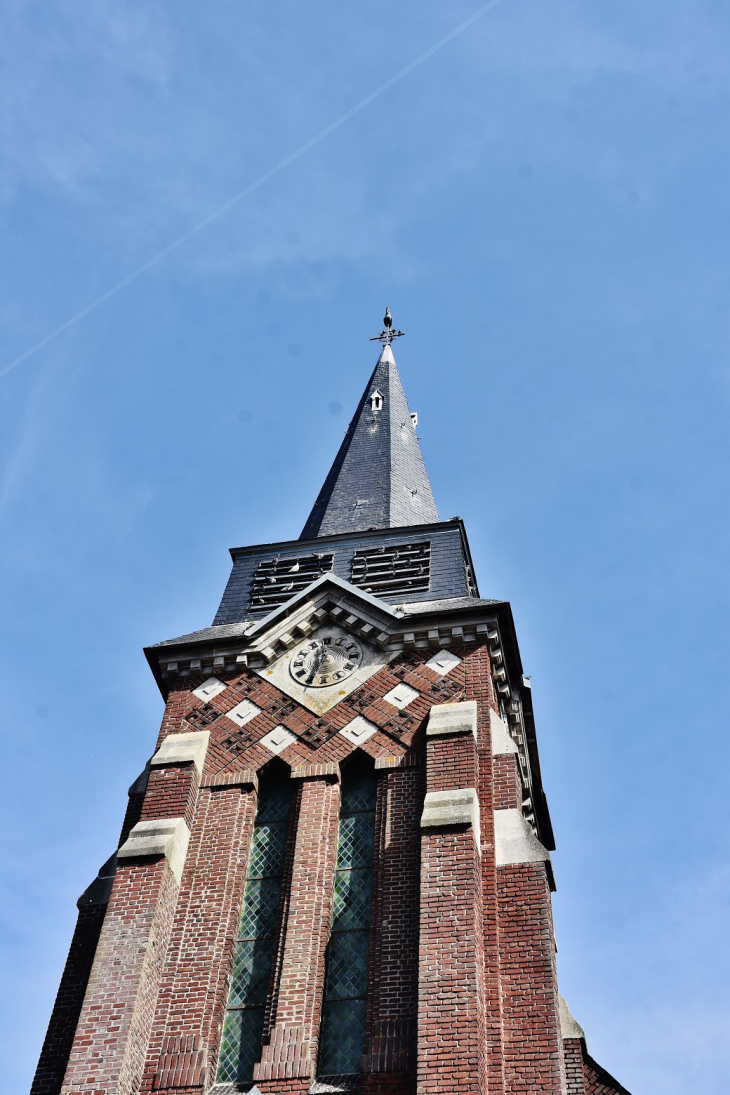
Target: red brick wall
{"points": [[393, 969], [69, 1000], [171, 792], [451, 1023], [195, 981], [573, 1053], [452, 1039], [461, 954], [507, 782], [533, 1050], [116, 1018], [597, 1080]]}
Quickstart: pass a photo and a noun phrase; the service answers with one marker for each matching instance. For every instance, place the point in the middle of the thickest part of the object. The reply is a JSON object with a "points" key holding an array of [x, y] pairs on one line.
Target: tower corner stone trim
{"points": [[458, 807], [569, 1027], [452, 718], [514, 840], [502, 743], [183, 749], [168, 837]]}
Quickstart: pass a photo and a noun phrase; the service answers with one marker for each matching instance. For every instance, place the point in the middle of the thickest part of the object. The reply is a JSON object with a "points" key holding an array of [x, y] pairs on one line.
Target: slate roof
{"points": [[415, 608], [233, 631], [378, 478], [217, 631]]}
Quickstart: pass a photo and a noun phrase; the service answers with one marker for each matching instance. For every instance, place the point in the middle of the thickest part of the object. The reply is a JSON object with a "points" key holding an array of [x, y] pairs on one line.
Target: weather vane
{"points": [[387, 335]]}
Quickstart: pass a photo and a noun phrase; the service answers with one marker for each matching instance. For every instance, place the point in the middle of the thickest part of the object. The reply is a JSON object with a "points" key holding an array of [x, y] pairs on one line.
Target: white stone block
{"points": [[208, 689], [167, 836], [182, 749], [358, 730], [443, 662], [400, 696], [457, 807], [278, 739], [569, 1028], [243, 712], [515, 841], [501, 739], [452, 718]]}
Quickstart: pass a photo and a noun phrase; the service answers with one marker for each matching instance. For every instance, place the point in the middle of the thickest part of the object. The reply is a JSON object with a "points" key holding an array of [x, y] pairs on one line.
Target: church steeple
{"points": [[378, 478]]}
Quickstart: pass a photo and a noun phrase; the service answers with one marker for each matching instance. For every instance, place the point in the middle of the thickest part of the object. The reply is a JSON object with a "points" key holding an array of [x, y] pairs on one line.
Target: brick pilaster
{"points": [[451, 1011], [114, 1026], [573, 1054], [194, 988], [290, 1050], [393, 965], [533, 1048]]}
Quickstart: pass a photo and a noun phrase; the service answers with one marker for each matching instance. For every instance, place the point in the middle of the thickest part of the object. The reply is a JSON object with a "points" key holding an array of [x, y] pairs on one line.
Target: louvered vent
{"points": [[279, 579], [390, 570]]}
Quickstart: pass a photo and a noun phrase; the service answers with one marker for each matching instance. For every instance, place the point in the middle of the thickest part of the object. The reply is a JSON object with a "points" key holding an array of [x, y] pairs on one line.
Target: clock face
{"points": [[325, 661]]}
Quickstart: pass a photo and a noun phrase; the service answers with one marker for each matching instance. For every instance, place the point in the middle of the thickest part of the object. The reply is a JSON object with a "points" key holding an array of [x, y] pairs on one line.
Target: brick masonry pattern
{"points": [[462, 984]]}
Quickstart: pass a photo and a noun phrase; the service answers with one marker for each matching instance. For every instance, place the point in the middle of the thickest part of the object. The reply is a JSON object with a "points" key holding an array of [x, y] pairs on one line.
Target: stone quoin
{"points": [[334, 872]]}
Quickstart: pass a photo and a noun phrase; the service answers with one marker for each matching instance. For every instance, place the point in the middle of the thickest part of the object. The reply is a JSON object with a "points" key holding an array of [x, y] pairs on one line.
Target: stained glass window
{"points": [[342, 1034], [243, 1026]]}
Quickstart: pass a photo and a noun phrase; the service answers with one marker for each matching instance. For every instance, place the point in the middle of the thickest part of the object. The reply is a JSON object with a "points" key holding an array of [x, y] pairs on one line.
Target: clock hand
{"points": [[317, 663]]}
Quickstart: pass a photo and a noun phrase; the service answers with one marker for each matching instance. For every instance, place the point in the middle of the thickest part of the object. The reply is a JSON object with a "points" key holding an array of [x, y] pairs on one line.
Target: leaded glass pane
{"points": [[358, 794], [343, 1037], [343, 1017], [355, 844], [243, 1027], [353, 891], [268, 848], [260, 906], [251, 966], [347, 968], [240, 1045], [275, 802]]}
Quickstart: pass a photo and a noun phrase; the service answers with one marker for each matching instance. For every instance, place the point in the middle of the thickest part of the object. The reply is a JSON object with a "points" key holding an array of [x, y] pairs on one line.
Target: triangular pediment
{"points": [[323, 643]]}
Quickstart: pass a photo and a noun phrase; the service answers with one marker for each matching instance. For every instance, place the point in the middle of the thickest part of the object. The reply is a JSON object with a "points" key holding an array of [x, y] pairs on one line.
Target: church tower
{"points": [[334, 872]]}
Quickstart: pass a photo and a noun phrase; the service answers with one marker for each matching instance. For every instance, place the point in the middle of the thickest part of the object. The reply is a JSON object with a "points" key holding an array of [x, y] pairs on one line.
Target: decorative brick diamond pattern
{"points": [[278, 739], [209, 689], [358, 730], [443, 662], [400, 696], [201, 718]]}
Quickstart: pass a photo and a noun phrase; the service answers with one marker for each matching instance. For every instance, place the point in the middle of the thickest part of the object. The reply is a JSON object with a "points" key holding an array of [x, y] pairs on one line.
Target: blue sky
{"points": [[544, 205]]}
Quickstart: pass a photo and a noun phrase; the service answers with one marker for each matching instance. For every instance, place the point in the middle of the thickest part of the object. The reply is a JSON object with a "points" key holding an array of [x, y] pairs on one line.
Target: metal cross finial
{"points": [[387, 335]]}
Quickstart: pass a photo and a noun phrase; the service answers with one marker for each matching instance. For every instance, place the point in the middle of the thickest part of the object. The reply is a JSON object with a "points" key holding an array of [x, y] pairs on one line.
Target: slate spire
{"points": [[378, 478]]}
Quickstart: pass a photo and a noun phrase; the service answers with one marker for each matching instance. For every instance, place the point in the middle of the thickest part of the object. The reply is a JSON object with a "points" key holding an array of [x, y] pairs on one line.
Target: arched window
{"points": [[342, 1033], [242, 1030]]}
